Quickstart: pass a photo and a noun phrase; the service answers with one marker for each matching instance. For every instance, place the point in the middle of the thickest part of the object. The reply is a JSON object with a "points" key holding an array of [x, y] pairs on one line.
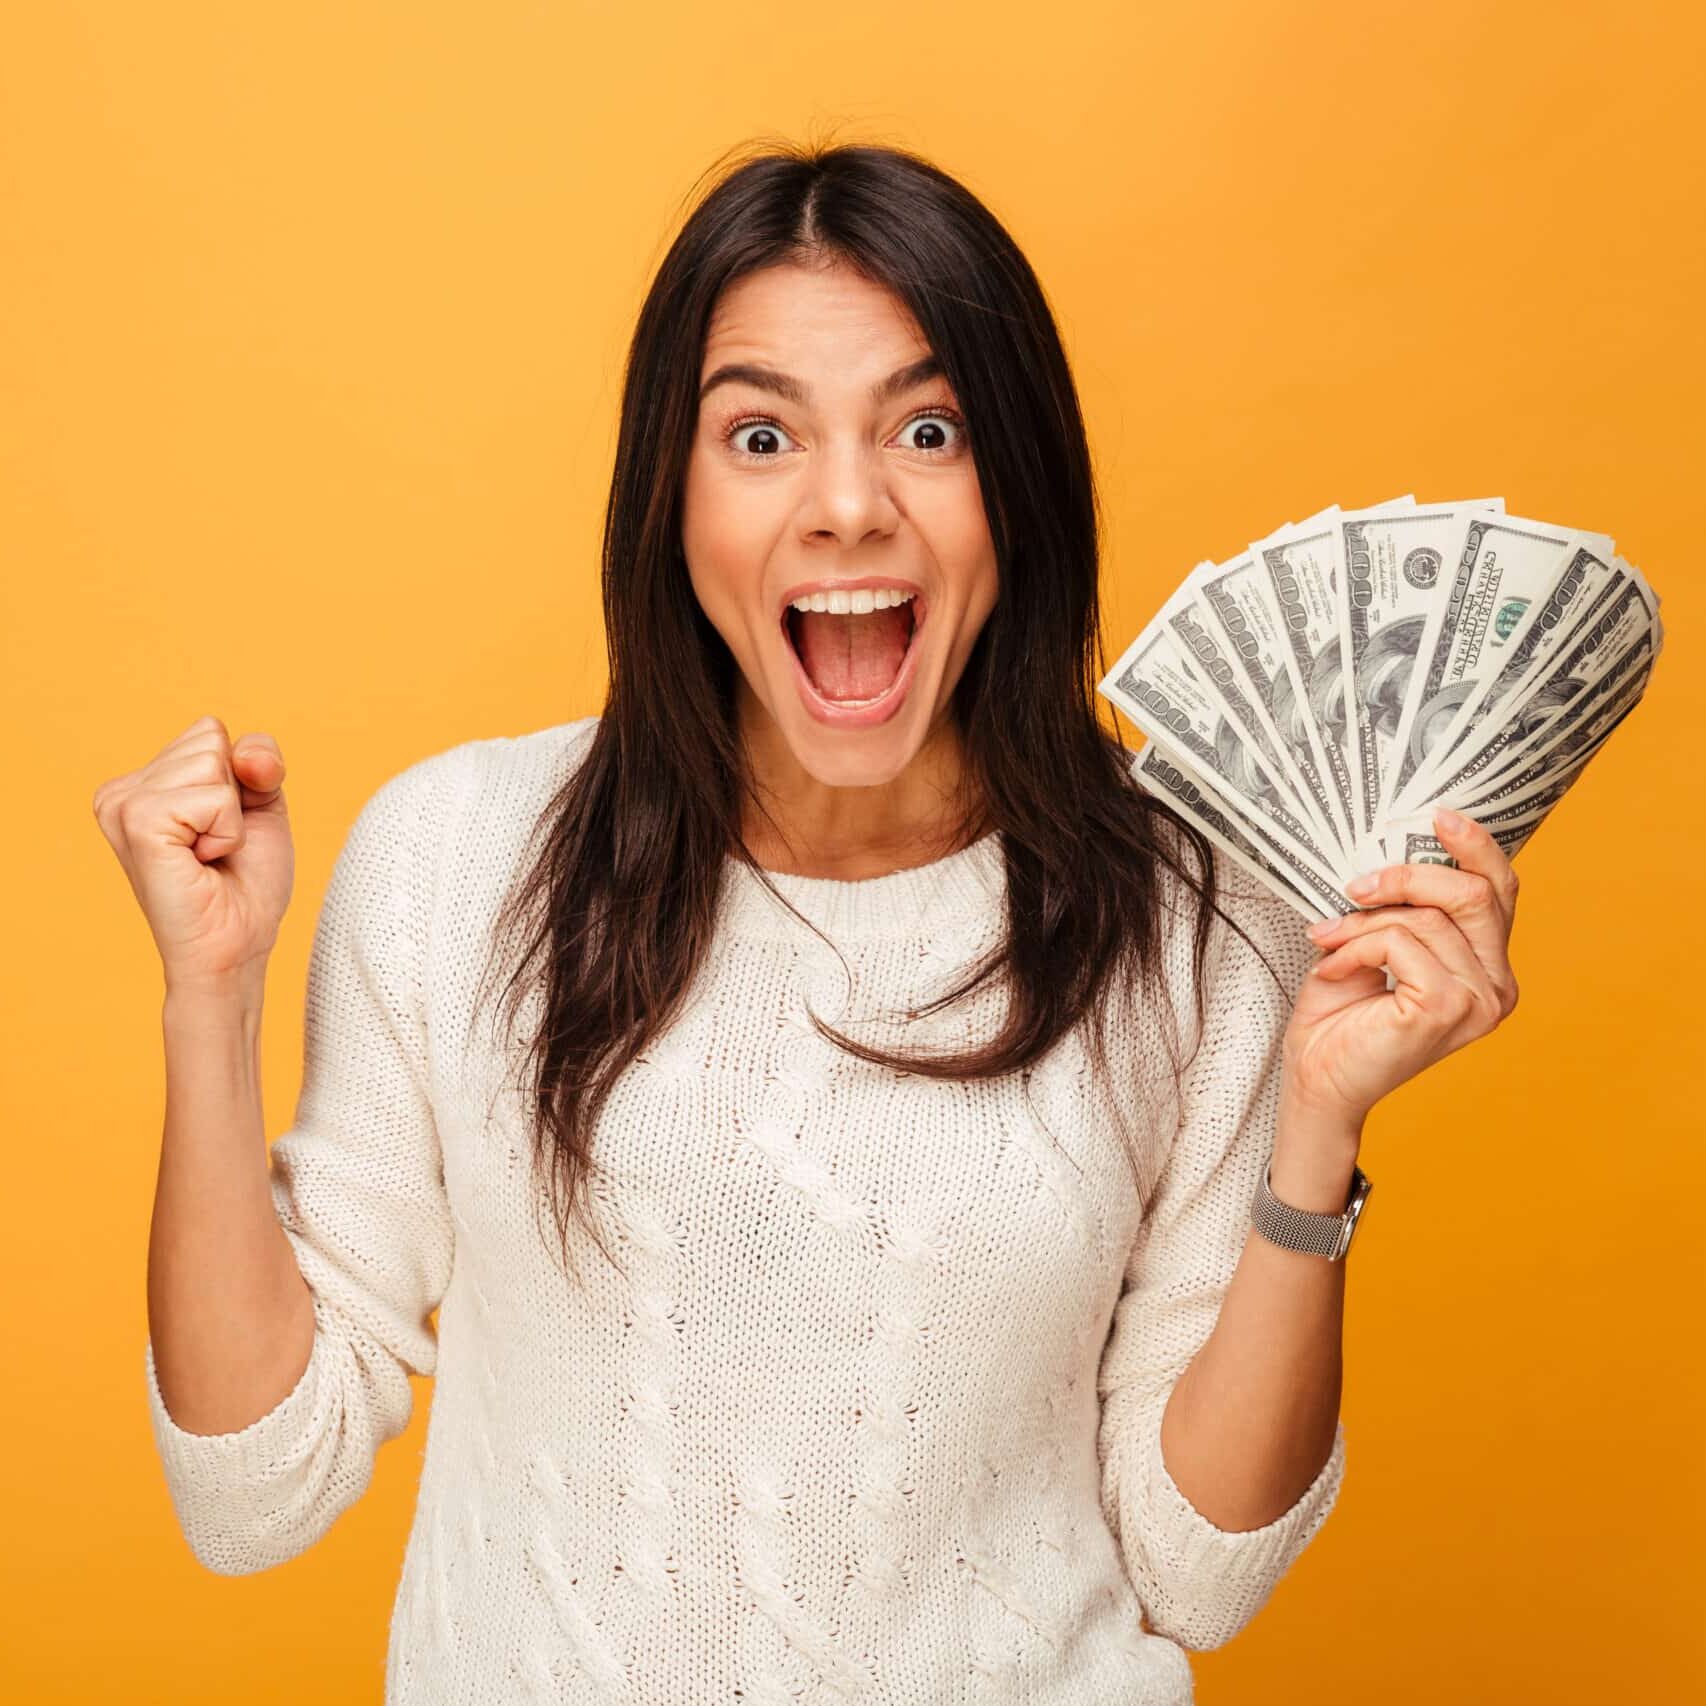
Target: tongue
{"points": [[852, 657]]}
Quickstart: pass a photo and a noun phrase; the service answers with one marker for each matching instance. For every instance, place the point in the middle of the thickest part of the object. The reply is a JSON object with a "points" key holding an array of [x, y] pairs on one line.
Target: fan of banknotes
{"points": [[1310, 701]]}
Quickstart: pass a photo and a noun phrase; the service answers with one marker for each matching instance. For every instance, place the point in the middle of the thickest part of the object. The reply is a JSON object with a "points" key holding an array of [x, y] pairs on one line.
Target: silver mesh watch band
{"points": [[1326, 1235]]}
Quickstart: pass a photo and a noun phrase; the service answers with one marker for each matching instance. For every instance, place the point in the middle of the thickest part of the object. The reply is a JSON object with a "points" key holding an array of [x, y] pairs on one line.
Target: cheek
{"points": [[723, 540], [960, 540]]}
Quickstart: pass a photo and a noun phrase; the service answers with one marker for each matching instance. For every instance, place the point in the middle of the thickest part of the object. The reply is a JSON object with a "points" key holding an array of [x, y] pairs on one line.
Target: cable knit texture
{"points": [[872, 1412]]}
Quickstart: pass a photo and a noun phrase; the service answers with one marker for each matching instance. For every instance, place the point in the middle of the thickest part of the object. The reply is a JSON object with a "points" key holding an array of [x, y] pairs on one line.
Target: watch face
{"points": [[1353, 1210]]}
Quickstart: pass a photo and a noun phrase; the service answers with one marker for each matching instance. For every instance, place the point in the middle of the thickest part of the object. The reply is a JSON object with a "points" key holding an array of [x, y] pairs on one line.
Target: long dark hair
{"points": [[623, 894]]}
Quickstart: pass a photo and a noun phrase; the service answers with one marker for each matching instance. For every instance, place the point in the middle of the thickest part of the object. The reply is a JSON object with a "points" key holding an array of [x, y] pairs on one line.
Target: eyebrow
{"points": [[785, 385]]}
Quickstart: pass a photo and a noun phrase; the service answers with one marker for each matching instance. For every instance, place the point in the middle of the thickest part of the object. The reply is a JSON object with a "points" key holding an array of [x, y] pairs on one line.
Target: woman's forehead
{"points": [[813, 318]]}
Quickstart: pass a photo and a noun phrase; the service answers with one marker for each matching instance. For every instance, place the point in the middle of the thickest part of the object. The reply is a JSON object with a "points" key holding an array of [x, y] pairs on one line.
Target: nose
{"points": [[846, 497]]}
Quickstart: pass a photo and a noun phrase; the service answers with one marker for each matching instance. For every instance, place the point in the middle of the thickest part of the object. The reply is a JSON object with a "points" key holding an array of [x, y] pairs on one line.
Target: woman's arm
{"points": [[1200, 1557], [1251, 1421], [230, 1317], [356, 1191]]}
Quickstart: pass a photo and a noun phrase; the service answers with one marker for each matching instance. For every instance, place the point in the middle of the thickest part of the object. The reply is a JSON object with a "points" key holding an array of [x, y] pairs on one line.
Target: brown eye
{"points": [[766, 438], [934, 431]]}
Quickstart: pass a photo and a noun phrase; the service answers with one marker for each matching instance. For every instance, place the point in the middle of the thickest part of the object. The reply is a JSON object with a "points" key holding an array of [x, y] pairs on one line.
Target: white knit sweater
{"points": [[875, 1412]]}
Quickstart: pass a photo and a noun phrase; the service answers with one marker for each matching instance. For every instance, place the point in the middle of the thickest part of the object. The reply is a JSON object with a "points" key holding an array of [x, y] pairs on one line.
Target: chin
{"points": [[852, 758]]}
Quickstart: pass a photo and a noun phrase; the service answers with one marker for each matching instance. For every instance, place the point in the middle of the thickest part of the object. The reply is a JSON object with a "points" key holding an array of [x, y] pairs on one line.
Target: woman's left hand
{"points": [[1350, 1040]]}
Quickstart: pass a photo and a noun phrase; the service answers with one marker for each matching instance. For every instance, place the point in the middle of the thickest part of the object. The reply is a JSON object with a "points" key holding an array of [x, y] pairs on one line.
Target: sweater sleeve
{"points": [[357, 1185], [1200, 1584]]}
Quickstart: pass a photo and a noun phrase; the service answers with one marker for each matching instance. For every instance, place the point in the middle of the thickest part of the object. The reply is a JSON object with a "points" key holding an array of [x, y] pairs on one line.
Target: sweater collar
{"points": [[915, 901]]}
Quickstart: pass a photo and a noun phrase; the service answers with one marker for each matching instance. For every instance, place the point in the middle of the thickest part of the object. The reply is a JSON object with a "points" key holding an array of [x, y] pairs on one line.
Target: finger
{"points": [[1480, 910], [259, 765], [1422, 986], [1441, 933], [1464, 891], [1472, 845], [197, 736], [203, 816]]}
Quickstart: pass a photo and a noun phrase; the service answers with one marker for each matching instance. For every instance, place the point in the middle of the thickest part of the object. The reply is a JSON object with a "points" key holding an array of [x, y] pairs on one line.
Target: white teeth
{"points": [[859, 603]]}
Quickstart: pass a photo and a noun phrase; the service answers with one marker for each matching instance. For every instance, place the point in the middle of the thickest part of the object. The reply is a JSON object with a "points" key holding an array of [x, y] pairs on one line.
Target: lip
{"points": [[827, 711]]}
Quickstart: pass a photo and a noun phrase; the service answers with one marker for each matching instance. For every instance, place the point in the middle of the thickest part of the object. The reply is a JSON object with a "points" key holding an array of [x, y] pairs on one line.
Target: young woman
{"points": [[907, 1073]]}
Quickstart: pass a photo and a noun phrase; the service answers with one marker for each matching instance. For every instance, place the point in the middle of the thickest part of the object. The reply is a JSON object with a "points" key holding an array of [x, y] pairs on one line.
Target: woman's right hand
{"points": [[202, 833]]}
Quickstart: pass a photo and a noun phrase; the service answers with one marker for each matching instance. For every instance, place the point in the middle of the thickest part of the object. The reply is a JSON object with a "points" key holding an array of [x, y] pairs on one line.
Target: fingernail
{"points": [[1453, 822], [1323, 927], [1363, 886]]}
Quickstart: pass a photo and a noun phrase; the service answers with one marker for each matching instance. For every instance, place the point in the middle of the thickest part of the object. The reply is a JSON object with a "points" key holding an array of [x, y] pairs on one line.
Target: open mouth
{"points": [[852, 660]]}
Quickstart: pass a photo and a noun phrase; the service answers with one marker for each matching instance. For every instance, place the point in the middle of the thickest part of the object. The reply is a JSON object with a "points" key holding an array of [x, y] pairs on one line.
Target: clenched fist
{"points": [[202, 833]]}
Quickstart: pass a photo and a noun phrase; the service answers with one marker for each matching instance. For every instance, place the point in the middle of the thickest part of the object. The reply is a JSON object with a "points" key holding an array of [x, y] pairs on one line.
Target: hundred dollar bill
{"points": [[1303, 562], [1299, 885], [1235, 598], [1243, 733], [1508, 564], [1388, 567], [1176, 684], [1513, 822], [1592, 714], [1602, 650], [1252, 670], [1310, 701], [1578, 591], [1522, 780], [1542, 685], [1523, 784], [1297, 564], [1410, 839], [1519, 805], [1513, 807], [1598, 708], [1526, 792]]}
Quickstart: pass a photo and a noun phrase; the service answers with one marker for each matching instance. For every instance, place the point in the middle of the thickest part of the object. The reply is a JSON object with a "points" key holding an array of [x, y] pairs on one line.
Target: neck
{"points": [[814, 828]]}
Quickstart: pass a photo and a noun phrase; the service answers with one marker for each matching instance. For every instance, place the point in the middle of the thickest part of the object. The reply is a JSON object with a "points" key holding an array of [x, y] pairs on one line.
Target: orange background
{"points": [[311, 330]]}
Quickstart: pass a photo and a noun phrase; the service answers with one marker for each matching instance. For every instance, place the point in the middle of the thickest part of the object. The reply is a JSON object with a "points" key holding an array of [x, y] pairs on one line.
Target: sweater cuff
{"points": [[1216, 1579], [212, 1465]]}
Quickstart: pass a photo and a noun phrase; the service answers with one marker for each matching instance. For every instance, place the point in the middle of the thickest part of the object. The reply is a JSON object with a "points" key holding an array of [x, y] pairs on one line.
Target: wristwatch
{"points": [[1326, 1235]]}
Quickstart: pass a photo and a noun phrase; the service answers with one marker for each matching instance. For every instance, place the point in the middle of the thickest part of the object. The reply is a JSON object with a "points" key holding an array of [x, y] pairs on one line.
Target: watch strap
{"points": [[1326, 1235]]}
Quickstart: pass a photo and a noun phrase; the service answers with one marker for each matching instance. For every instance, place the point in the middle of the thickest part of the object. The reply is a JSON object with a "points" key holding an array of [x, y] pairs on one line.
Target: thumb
{"points": [[258, 767]]}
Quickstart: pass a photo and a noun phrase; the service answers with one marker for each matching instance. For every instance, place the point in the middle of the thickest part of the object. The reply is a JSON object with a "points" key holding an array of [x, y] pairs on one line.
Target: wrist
{"points": [[1316, 1180], [212, 1005], [1314, 1157], [1316, 1123]]}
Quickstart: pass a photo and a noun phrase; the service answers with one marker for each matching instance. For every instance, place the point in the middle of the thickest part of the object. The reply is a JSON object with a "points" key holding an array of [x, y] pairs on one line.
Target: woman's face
{"points": [[829, 457]]}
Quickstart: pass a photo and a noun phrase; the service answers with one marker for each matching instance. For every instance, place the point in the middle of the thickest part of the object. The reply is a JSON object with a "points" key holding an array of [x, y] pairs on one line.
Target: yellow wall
{"points": [[311, 325]]}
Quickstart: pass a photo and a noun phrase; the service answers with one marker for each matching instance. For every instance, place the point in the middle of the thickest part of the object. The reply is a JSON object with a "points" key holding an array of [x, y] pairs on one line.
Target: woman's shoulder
{"points": [[504, 782], [518, 766], [547, 753]]}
